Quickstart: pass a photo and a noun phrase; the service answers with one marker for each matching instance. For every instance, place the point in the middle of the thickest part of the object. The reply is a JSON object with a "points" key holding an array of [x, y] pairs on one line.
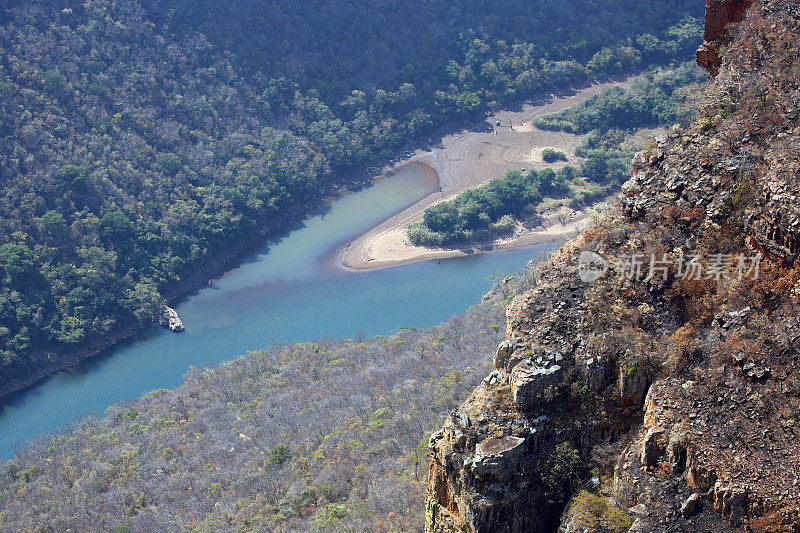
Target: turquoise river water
{"points": [[287, 291]]}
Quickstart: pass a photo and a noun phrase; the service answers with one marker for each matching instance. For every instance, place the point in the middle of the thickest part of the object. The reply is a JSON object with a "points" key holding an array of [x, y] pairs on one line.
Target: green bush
{"points": [[98, 89], [551, 156], [116, 227], [564, 473], [169, 163], [279, 455], [648, 102], [54, 81], [597, 514], [53, 227], [485, 211]]}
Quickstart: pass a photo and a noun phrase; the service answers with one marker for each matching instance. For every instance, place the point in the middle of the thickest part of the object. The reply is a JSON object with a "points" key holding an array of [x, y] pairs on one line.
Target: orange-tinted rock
{"points": [[719, 15]]}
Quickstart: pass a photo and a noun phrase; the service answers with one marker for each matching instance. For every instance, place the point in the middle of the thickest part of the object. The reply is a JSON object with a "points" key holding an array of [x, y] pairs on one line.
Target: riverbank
{"points": [[506, 140], [189, 285], [390, 247], [437, 167]]}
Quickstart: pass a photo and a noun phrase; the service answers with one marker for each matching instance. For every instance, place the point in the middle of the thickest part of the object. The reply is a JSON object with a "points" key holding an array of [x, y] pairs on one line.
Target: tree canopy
{"points": [[139, 139]]}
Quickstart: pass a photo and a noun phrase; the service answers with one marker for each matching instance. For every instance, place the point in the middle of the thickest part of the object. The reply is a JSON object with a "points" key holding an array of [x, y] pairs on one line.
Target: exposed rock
{"points": [[690, 384], [730, 502], [639, 511], [594, 373], [701, 478], [170, 319], [719, 15], [632, 386], [690, 505], [504, 352], [530, 383], [498, 459], [653, 447], [641, 525], [676, 452]]}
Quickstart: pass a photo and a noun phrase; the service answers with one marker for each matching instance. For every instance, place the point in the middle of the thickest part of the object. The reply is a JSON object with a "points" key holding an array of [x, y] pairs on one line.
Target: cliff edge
{"points": [[649, 382]]}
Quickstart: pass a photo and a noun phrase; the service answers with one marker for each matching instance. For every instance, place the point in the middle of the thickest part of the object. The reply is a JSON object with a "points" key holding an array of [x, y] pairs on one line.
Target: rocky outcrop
{"points": [[169, 319], [489, 460], [680, 392], [719, 15]]}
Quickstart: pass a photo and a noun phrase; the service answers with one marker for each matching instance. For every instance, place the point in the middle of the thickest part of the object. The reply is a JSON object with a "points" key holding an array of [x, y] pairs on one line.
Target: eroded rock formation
{"points": [[719, 15], [678, 393]]}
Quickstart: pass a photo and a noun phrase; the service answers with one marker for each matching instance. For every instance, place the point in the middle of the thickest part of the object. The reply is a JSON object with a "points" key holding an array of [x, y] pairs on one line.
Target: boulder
{"points": [[498, 459], [632, 386], [653, 446], [690, 505], [504, 352], [530, 383], [731, 503], [170, 319], [594, 373]]}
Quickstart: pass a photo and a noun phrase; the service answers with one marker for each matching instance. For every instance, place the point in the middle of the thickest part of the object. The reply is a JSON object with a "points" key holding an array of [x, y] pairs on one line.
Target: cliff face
{"points": [[720, 14], [669, 382]]}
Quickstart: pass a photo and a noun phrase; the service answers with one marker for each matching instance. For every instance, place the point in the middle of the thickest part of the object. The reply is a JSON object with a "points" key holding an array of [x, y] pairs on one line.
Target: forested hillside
{"points": [[139, 140]]}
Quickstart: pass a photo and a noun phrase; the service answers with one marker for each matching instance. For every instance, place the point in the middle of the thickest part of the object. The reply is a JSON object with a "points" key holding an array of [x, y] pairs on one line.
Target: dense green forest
{"points": [[607, 119], [653, 100], [322, 436], [490, 210], [141, 139]]}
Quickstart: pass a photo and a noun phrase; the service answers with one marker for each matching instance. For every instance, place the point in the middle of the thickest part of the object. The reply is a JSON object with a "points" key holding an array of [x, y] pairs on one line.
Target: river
{"points": [[287, 291]]}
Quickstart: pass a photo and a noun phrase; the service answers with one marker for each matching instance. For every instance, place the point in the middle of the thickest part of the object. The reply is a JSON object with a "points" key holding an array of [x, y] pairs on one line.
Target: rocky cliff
{"points": [[649, 382], [720, 15]]}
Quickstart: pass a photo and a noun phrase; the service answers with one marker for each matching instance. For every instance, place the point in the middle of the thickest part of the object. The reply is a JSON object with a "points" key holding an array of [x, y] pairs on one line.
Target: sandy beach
{"points": [[506, 140]]}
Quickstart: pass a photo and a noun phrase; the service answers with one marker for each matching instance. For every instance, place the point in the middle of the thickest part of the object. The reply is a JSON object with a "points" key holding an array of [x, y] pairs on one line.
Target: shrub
{"points": [[596, 514], [483, 211], [564, 473], [551, 156], [98, 89], [54, 81], [279, 455], [169, 163], [115, 226], [53, 226]]}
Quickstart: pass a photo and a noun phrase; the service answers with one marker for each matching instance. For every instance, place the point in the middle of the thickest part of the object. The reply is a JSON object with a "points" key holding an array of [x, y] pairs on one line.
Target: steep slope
{"points": [[669, 382]]}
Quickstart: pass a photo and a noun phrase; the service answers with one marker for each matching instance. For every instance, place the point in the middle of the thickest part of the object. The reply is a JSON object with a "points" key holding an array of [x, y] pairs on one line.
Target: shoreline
{"points": [[506, 140], [550, 230], [212, 268], [215, 266]]}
